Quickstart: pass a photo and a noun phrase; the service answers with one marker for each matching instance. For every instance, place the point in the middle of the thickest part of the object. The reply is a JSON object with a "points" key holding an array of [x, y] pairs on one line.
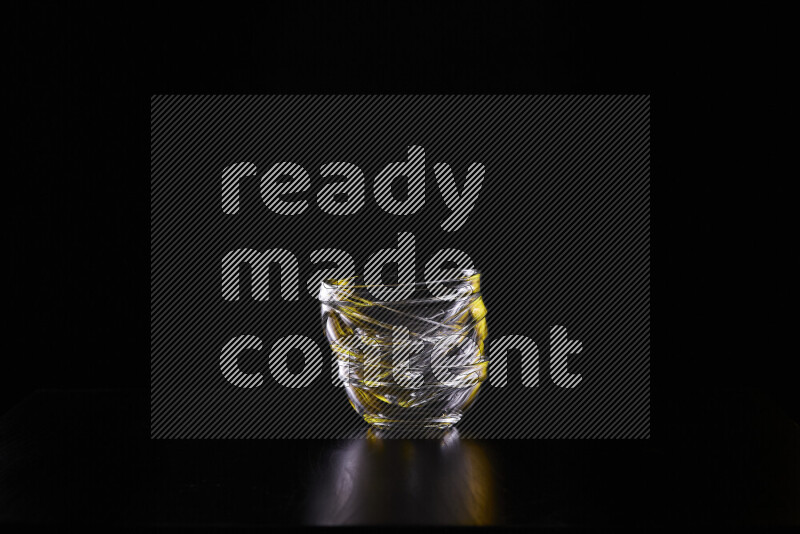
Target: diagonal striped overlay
{"points": [[560, 229]]}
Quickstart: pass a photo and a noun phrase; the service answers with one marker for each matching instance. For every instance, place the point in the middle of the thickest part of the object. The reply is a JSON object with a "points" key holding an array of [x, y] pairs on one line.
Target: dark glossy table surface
{"points": [[86, 457]]}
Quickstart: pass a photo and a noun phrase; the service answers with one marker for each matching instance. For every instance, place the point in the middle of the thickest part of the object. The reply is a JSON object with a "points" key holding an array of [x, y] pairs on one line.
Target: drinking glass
{"points": [[409, 355]]}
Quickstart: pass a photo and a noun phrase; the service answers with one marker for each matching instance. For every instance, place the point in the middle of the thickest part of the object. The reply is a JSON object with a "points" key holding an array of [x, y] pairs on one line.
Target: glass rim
{"points": [[334, 284]]}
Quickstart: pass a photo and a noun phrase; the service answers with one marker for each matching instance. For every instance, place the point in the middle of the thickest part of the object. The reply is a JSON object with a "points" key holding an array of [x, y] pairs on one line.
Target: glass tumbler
{"points": [[409, 355]]}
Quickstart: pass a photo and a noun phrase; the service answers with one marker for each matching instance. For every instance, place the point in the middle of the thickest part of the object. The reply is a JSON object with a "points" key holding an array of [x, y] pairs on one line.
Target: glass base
{"points": [[383, 422]]}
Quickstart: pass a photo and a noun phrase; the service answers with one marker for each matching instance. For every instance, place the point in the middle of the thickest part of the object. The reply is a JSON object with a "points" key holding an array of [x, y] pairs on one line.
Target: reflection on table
{"points": [[374, 480]]}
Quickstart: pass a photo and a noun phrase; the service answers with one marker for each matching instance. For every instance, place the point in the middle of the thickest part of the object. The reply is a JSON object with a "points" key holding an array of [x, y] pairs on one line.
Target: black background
{"points": [[79, 89], [78, 86]]}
